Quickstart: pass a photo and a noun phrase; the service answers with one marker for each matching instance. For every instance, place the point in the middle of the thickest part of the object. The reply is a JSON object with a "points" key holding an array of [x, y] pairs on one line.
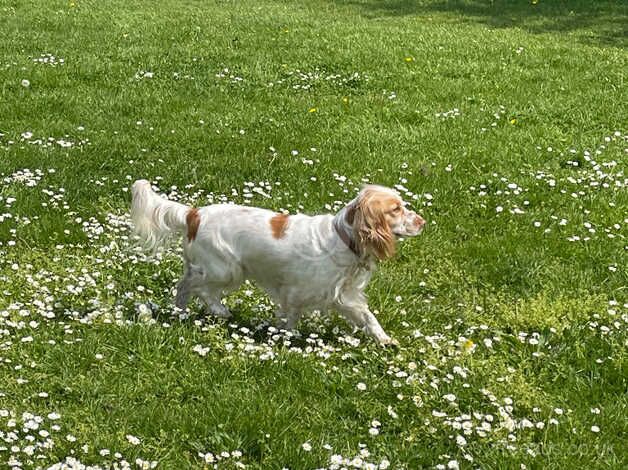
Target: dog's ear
{"points": [[370, 226]]}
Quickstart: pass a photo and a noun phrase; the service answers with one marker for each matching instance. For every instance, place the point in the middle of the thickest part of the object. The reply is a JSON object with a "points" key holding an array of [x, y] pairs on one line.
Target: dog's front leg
{"points": [[360, 316]]}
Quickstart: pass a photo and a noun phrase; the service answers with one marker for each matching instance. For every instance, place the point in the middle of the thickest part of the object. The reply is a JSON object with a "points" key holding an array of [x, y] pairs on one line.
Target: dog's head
{"points": [[379, 218]]}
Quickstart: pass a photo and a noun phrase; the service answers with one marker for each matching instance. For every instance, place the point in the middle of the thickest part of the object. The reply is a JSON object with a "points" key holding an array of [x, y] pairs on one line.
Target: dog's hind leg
{"points": [[197, 286], [221, 275], [186, 285], [183, 294]]}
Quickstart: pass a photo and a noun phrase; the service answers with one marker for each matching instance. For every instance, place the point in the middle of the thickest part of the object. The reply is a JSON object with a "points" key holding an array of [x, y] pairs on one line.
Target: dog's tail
{"points": [[154, 217]]}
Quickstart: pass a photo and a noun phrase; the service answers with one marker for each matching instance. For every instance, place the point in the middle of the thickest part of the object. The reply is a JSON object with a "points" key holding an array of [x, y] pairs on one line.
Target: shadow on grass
{"points": [[598, 22], [260, 328]]}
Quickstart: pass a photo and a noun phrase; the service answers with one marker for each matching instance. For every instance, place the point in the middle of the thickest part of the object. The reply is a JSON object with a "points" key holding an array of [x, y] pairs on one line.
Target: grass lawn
{"points": [[503, 122]]}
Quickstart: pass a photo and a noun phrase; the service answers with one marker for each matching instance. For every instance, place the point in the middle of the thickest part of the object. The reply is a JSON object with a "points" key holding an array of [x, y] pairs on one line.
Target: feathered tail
{"points": [[155, 218]]}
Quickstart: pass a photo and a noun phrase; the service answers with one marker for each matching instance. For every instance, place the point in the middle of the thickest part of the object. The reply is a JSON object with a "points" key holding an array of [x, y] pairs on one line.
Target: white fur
{"points": [[308, 268], [155, 218]]}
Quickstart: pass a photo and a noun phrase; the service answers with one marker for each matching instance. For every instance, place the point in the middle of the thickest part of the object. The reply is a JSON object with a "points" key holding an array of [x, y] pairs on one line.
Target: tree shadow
{"points": [[597, 22]]}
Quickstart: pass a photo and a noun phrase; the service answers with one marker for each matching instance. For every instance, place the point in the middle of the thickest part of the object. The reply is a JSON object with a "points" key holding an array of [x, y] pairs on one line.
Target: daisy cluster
{"points": [[226, 74], [585, 175], [26, 177], [307, 80], [225, 458], [27, 435], [143, 75], [30, 439], [451, 114], [362, 460], [49, 59], [118, 463], [28, 137], [293, 80]]}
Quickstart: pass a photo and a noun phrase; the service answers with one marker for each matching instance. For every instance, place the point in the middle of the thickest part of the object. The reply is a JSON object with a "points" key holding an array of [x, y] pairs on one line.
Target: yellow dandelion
{"points": [[409, 59], [468, 345], [513, 121], [345, 100], [312, 110]]}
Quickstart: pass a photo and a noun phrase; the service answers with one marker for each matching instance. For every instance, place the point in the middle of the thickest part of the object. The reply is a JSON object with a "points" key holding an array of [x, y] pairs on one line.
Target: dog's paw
{"points": [[219, 311], [388, 341]]}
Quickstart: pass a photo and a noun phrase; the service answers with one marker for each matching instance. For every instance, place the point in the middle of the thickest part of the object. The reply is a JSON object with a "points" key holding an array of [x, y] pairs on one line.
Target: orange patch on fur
{"points": [[193, 220], [278, 225]]}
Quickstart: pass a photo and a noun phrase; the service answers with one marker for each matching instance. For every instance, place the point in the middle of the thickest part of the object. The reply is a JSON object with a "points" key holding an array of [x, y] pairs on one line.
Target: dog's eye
{"points": [[397, 209]]}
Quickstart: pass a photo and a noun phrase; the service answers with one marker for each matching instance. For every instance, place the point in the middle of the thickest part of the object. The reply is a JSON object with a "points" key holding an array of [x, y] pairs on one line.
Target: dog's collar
{"points": [[343, 234]]}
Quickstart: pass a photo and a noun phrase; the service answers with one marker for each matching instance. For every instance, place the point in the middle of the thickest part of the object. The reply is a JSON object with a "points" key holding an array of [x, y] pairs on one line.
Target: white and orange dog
{"points": [[304, 263]]}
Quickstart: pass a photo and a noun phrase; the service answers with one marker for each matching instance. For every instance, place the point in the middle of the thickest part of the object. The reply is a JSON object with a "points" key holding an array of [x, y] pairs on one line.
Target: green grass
{"points": [[521, 316]]}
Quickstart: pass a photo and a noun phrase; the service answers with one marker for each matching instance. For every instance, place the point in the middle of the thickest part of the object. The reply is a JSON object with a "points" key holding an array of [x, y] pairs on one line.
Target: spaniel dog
{"points": [[304, 263]]}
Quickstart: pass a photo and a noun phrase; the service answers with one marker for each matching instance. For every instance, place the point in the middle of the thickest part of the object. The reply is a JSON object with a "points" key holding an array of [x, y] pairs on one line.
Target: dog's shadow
{"points": [[311, 330]]}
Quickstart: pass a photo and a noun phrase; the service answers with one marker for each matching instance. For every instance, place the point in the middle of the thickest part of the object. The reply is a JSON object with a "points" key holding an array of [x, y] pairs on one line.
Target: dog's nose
{"points": [[419, 221]]}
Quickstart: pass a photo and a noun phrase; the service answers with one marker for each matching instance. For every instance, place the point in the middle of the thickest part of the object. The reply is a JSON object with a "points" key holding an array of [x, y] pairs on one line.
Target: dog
{"points": [[304, 263]]}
